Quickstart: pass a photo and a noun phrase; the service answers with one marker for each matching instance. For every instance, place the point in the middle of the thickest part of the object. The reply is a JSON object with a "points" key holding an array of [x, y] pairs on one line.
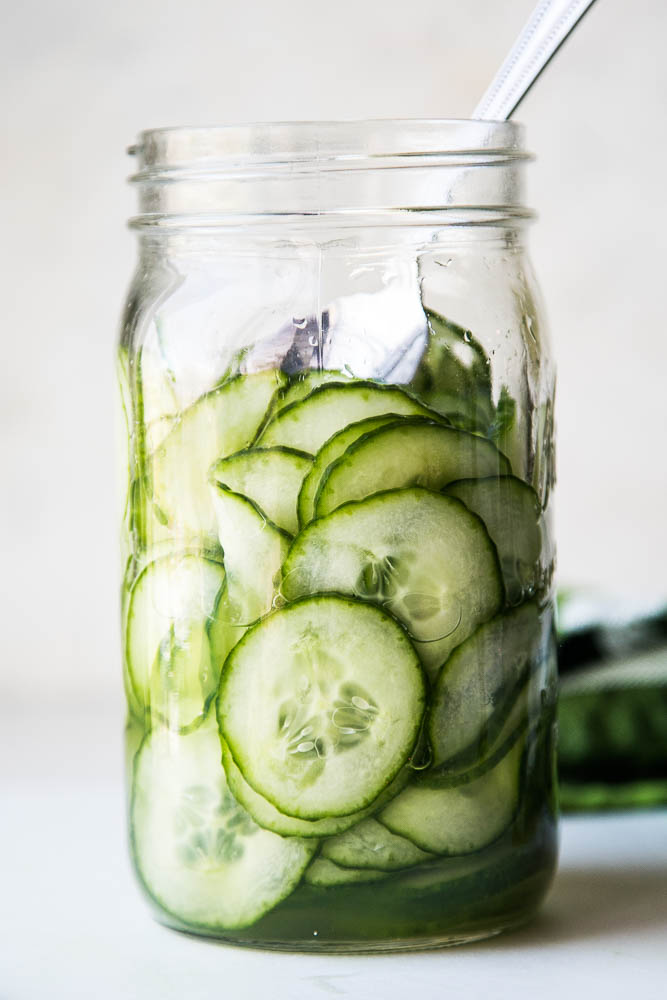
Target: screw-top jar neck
{"points": [[338, 174]]}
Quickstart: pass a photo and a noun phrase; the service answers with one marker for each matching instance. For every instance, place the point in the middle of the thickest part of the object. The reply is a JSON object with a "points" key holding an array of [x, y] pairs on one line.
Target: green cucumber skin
{"points": [[386, 442], [326, 455], [295, 427], [513, 516], [438, 832], [326, 874], [267, 816], [479, 680], [370, 845]]}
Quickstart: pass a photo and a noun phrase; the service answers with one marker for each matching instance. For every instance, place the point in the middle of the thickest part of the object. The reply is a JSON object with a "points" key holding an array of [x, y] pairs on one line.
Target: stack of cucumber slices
{"points": [[334, 639]]}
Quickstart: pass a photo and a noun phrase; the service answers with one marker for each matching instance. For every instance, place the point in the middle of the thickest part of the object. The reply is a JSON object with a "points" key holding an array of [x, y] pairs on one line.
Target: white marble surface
{"points": [[72, 924]]}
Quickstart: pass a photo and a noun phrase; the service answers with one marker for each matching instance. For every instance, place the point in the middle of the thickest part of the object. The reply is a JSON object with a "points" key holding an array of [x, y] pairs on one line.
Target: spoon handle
{"points": [[542, 35]]}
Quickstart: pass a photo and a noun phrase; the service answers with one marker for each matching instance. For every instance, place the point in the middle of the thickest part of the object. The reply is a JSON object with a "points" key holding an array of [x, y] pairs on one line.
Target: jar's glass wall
{"points": [[339, 562]]}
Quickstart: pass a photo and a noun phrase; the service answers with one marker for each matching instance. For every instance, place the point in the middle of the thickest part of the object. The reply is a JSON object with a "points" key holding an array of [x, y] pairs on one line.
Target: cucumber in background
{"points": [[613, 702]]}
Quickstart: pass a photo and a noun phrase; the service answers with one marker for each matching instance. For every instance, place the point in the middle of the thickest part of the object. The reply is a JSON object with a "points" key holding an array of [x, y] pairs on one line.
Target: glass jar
{"points": [[338, 632]]}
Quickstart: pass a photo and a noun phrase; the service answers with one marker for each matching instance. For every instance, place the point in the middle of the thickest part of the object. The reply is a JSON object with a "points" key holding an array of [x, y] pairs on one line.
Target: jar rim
{"points": [[366, 172], [328, 143]]}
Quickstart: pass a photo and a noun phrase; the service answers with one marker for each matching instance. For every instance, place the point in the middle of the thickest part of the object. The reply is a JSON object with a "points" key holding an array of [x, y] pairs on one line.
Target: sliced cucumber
{"points": [[177, 636], [454, 375], [321, 704], [424, 557], [464, 769], [307, 424], [474, 690], [199, 854], [122, 431], [369, 844], [328, 453], [512, 515], [266, 815], [461, 819], [158, 430], [254, 550], [303, 383], [270, 477], [222, 422], [414, 452], [325, 873], [183, 679]]}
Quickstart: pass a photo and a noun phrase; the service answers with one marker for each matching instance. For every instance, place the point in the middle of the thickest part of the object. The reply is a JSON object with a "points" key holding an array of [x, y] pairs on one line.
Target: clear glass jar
{"points": [[339, 653]]}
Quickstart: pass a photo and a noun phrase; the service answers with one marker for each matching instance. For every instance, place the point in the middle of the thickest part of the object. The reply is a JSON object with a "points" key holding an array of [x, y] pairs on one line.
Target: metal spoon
{"points": [[543, 34]]}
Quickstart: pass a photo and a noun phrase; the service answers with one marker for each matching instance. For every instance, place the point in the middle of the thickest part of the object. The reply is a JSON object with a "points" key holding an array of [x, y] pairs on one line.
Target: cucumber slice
{"points": [[222, 422], [270, 477], [369, 844], [414, 452], [157, 431], [254, 550], [266, 815], [454, 375], [199, 854], [183, 679], [321, 704], [462, 770], [177, 636], [474, 690], [307, 424], [325, 873], [123, 410], [328, 453], [424, 557], [302, 384], [462, 819], [512, 515]]}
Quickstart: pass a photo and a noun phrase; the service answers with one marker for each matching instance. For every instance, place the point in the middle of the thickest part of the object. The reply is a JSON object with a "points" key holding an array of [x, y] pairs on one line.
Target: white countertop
{"points": [[72, 924]]}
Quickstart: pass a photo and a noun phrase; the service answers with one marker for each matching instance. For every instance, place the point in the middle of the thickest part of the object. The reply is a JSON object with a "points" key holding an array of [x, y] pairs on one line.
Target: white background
{"points": [[79, 79]]}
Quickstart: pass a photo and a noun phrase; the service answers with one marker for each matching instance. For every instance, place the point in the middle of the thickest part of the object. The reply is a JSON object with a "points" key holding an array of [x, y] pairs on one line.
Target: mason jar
{"points": [[338, 638]]}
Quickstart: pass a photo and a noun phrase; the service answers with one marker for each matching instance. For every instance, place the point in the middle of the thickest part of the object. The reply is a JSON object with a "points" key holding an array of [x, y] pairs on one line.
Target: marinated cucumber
{"points": [[122, 431], [474, 691], [328, 453], [183, 678], [321, 704], [513, 518], [197, 851], [466, 768], [415, 452], [461, 819], [303, 383], [454, 376], [325, 873], [266, 815], [254, 550], [359, 578], [369, 844], [157, 431], [156, 387], [307, 424], [220, 423], [422, 556], [270, 477], [177, 636]]}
